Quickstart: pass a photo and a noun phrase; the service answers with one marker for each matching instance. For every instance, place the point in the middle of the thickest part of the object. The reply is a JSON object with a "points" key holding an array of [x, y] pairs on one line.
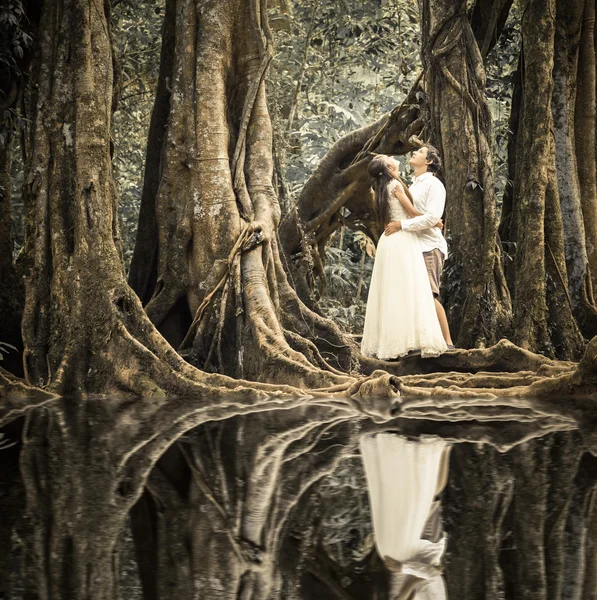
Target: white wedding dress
{"points": [[400, 314], [402, 476]]}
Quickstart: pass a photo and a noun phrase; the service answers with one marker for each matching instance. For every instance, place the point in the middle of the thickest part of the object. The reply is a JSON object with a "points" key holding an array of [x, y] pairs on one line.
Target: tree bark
{"points": [[11, 290], [474, 287], [73, 259], [220, 280], [543, 317], [569, 23], [487, 21], [584, 127]]}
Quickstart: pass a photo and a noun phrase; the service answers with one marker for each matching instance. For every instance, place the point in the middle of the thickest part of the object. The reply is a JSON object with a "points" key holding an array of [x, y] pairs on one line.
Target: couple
{"points": [[403, 311]]}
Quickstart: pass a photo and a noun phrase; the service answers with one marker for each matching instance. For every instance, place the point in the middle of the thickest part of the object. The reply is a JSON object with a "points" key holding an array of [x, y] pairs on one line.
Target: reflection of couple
{"points": [[403, 310], [404, 479]]}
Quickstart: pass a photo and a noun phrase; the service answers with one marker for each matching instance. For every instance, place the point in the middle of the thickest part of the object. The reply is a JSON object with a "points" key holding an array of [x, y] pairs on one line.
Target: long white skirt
{"points": [[401, 312], [401, 480]]}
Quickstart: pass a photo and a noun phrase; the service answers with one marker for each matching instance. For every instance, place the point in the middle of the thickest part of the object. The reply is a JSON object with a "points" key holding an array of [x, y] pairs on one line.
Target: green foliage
{"points": [[13, 39], [348, 270], [136, 31], [501, 65], [338, 66]]}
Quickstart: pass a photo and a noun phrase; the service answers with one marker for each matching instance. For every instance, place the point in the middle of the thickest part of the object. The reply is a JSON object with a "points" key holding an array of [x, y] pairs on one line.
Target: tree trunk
{"points": [[569, 25], [584, 127], [507, 230], [72, 242], [11, 84], [216, 211], [543, 318], [11, 290], [143, 267], [487, 21], [474, 287], [72, 249]]}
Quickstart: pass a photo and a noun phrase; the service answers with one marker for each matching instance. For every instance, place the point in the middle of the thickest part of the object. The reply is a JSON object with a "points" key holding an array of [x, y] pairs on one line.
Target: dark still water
{"points": [[209, 498]]}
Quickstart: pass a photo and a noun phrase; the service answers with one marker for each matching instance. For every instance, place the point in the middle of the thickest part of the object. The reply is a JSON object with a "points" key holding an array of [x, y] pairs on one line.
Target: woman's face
{"points": [[393, 166]]}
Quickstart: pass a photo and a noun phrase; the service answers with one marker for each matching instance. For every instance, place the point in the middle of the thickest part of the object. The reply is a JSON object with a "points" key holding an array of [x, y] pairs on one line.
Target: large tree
{"points": [[209, 269], [548, 217]]}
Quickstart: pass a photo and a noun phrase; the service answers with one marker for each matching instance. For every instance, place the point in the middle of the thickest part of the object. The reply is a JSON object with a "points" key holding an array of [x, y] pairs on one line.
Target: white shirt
{"points": [[429, 198]]}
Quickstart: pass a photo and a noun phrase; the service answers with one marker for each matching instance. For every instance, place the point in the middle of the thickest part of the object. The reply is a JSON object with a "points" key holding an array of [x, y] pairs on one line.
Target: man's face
{"points": [[418, 158]]}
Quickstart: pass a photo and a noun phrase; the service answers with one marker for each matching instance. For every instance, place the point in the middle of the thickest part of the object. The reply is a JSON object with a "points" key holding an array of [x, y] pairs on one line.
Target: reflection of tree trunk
{"points": [[224, 496], [474, 506], [84, 464], [12, 502], [474, 287], [73, 521], [580, 565], [515, 521], [590, 576]]}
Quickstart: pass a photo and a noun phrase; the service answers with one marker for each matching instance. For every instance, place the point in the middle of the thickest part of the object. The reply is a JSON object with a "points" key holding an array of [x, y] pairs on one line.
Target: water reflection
{"points": [[405, 478], [158, 498]]}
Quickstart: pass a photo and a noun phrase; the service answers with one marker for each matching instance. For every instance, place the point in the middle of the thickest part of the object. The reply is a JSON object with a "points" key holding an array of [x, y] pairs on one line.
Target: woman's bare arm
{"points": [[408, 206], [411, 211]]}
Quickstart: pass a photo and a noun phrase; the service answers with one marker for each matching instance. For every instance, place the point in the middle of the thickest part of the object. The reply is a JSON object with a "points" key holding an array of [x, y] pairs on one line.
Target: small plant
{"points": [[5, 347], [5, 443]]}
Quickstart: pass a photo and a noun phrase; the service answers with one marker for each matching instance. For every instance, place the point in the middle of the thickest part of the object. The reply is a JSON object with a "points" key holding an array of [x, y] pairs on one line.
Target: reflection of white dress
{"points": [[401, 479], [400, 313]]}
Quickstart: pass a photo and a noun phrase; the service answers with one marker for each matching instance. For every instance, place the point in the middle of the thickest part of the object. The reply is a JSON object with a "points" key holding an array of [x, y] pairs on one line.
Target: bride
{"points": [[401, 315]]}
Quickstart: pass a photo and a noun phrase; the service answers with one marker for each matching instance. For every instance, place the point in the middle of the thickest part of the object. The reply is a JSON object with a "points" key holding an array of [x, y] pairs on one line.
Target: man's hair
{"points": [[434, 157]]}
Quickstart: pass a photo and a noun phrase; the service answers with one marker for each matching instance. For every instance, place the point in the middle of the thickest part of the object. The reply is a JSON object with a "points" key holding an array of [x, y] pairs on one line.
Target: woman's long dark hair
{"points": [[380, 171]]}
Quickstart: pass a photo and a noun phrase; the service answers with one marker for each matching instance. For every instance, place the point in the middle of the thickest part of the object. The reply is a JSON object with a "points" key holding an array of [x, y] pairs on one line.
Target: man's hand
{"points": [[393, 227], [440, 225]]}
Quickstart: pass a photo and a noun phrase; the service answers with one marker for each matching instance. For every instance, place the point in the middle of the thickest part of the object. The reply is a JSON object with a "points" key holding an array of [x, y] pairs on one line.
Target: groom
{"points": [[429, 195]]}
